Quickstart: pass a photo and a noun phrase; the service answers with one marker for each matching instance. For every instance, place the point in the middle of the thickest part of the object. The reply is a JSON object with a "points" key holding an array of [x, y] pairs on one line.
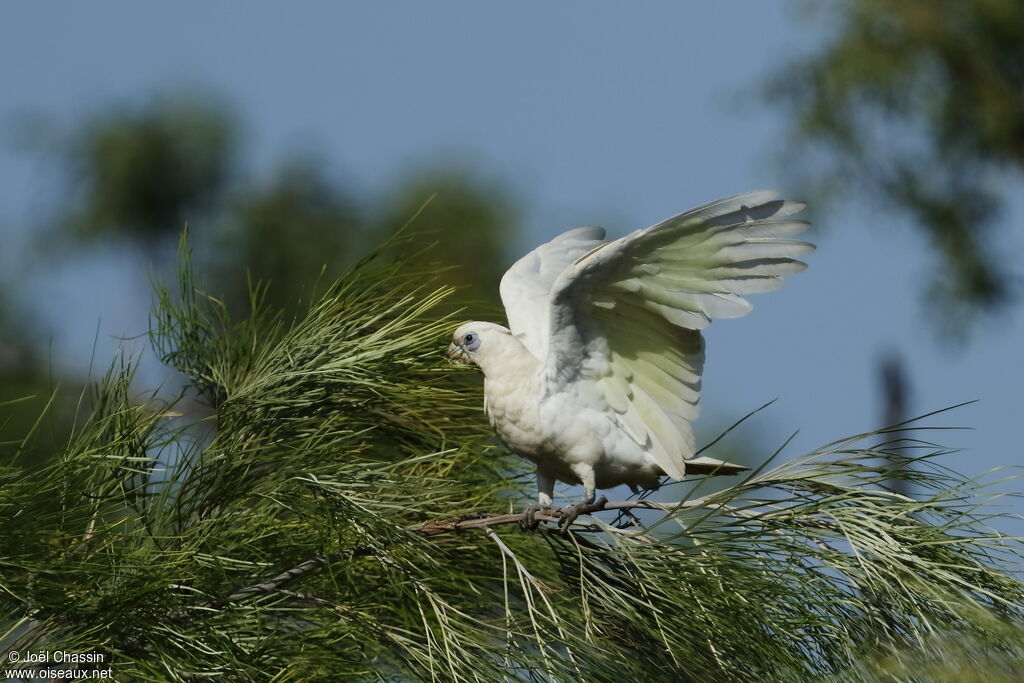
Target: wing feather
{"points": [[626, 315], [526, 287]]}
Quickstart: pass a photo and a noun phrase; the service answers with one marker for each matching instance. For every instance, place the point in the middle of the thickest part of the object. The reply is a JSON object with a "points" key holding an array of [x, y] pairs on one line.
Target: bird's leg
{"points": [[545, 489], [570, 512]]}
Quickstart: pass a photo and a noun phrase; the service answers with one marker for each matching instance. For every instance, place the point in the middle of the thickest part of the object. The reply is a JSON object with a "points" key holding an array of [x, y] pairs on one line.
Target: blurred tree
{"points": [[137, 173], [293, 232], [20, 373], [920, 104], [28, 390], [467, 223], [895, 392], [143, 171]]}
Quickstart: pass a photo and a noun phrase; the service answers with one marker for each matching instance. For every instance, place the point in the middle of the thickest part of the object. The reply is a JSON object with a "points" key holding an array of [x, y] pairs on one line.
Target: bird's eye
{"points": [[471, 341]]}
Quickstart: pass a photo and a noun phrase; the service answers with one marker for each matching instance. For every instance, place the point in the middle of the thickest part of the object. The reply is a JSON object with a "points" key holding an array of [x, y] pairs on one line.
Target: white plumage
{"points": [[597, 378]]}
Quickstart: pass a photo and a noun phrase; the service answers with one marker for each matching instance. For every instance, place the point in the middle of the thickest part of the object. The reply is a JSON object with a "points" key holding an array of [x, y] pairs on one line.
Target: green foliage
{"points": [[291, 535], [921, 104], [991, 657]]}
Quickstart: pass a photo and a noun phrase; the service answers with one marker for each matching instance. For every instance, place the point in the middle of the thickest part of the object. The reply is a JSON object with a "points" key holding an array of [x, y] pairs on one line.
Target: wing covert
{"points": [[526, 287]]}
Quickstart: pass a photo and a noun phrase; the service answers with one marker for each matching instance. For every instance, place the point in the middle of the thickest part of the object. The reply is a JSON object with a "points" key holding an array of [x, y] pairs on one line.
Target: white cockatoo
{"points": [[597, 377]]}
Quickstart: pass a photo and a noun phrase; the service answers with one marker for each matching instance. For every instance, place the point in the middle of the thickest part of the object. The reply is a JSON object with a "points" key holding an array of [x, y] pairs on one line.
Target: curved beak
{"points": [[457, 355]]}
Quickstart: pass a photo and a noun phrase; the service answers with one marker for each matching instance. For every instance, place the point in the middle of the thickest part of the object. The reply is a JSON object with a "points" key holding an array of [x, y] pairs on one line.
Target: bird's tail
{"points": [[710, 466]]}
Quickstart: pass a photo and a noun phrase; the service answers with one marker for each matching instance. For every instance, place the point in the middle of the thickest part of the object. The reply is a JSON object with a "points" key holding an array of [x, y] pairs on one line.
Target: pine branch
{"points": [[431, 529]]}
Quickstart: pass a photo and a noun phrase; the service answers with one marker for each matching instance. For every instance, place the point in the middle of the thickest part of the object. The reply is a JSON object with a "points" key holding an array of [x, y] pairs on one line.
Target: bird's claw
{"points": [[529, 521], [569, 514]]}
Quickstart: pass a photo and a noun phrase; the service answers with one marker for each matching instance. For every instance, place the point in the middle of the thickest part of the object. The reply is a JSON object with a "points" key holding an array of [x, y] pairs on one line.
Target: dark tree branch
{"points": [[438, 528], [276, 583]]}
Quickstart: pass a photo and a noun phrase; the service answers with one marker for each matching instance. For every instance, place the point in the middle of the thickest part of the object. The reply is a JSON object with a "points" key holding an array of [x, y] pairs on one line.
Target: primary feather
{"points": [[597, 379]]}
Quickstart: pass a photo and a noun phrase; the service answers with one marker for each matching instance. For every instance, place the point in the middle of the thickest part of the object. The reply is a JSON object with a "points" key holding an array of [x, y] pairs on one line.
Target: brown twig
{"points": [[448, 526], [276, 583]]}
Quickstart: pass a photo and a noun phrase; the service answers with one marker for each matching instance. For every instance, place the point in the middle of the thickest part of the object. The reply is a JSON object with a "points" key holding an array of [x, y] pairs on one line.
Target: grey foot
{"points": [[569, 514], [529, 521]]}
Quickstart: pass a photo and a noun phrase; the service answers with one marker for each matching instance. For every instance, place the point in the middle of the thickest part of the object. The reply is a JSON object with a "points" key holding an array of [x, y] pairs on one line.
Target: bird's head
{"points": [[477, 342]]}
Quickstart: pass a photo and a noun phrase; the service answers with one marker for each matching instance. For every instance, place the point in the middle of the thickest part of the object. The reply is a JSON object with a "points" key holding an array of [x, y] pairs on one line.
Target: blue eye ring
{"points": [[471, 341]]}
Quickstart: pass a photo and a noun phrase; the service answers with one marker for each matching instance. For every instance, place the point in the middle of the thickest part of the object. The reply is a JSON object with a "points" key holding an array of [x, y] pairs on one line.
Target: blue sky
{"points": [[590, 113]]}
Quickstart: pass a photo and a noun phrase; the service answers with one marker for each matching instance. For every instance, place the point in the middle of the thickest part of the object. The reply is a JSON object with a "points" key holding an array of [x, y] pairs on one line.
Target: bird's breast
{"points": [[512, 405], [561, 430]]}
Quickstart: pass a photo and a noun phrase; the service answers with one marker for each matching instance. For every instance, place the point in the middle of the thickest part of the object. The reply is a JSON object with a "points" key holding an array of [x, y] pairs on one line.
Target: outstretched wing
{"points": [[626, 316], [526, 286]]}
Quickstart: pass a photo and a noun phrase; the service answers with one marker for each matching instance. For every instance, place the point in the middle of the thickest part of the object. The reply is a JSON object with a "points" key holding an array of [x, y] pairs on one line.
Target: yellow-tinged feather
{"points": [[670, 446], [617, 392]]}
